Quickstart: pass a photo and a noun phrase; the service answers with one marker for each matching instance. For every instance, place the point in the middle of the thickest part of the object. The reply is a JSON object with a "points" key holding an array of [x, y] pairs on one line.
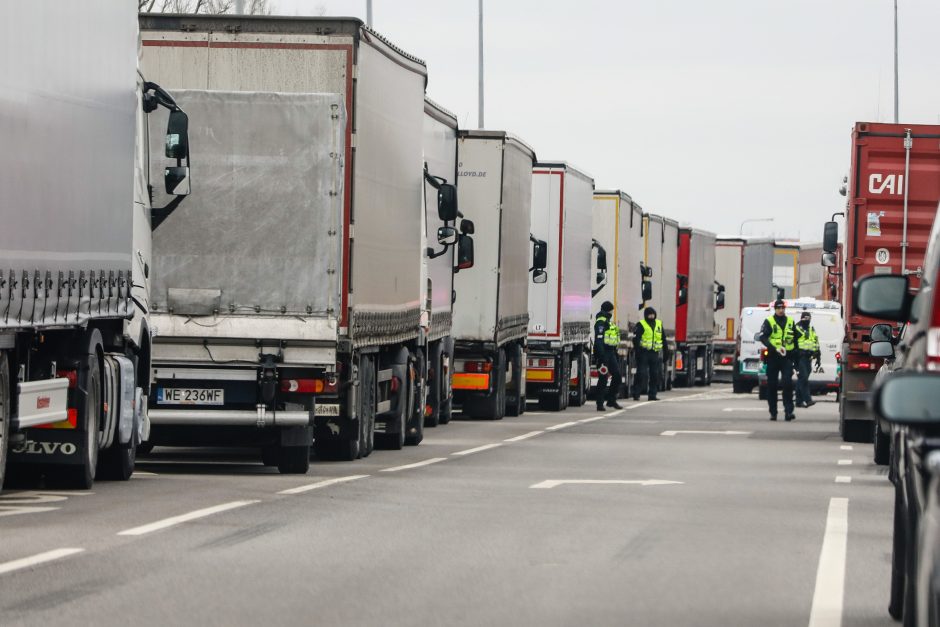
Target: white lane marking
{"points": [[755, 409], [176, 520], [635, 405], [12, 510], [615, 413], [830, 576], [554, 483], [563, 425], [845, 447], [584, 421], [321, 484], [843, 479], [41, 558], [845, 462], [524, 436], [673, 433], [426, 462], [144, 473], [485, 447]]}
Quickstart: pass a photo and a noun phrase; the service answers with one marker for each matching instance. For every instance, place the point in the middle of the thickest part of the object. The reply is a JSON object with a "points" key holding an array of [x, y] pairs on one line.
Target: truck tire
{"points": [[881, 444], [578, 397], [740, 387], [293, 460], [418, 401], [269, 455], [495, 406], [434, 383], [447, 411], [117, 463], [4, 413], [762, 392], [516, 407], [82, 476], [558, 401], [367, 405]]}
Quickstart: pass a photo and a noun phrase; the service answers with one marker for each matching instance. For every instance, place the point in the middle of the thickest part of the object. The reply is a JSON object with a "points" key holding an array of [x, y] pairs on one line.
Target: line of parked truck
{"points": [[350, 267]]}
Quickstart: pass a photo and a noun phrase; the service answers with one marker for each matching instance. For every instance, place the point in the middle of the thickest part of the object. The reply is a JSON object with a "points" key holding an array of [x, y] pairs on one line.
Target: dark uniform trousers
{"points": [[804, 367], [608, 357], [648, 373], [777, 367]]}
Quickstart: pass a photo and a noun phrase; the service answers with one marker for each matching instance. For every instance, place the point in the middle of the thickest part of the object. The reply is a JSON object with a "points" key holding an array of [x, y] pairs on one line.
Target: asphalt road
{"points": [[574, 518]]}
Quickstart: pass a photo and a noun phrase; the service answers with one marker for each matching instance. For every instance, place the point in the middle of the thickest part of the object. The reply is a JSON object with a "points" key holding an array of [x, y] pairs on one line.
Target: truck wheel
{"points": [[495, 405], [762, 393], [882, 444], [517, 406], [447, 411], [435, 383], [577, 398], [269, 455], [739, 387], [82, 477], [117, 462], [293, 460], [4, 414]]}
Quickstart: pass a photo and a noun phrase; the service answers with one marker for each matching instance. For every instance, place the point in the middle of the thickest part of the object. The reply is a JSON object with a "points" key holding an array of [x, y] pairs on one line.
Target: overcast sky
{"points": [[707, 111]]}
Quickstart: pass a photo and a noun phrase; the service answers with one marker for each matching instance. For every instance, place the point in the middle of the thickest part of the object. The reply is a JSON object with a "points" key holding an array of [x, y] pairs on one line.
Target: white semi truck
{"points": [[661, 237], [559, 339], [618, 229], [336, 346], [491, 314], [75, 243]]}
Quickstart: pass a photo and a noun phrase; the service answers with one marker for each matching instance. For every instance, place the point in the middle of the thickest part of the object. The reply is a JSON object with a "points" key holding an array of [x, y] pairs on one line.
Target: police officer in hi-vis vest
{"points": [[808, 350], [606, 342], [648, 343], [780, 335]]}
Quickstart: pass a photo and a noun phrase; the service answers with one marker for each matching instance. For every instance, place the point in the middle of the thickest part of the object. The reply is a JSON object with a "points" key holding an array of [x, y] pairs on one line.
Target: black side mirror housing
{"points": [[464, 252], [446, 235], [647, 289], [447, 202], [720, 300], [539, 254], [831, 237], [177, 135], [908, 398], [176, 181], [884, 296], [467, 227], [881, 333]]}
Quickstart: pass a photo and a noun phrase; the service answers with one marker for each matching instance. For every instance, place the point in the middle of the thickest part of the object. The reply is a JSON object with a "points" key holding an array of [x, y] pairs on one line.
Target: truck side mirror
{"points": [[646, 271], [601, 255], [828, 260], [447, 202], [467, 227], [831, 237], [883, 296], [647, 289], [720, 300], [881, 333], [446, 235], [464, 252], [177, 135], [176, 181], [908, 398], [539, 254], [539, 276], [682, 296]]}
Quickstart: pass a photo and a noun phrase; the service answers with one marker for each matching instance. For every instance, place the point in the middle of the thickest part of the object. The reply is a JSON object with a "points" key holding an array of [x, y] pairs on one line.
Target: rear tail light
{"points": [[326, 384], [726, 360], [679, 362], [541, 362], [70, 422], [863, 363], [478, 366], [594, 373]]}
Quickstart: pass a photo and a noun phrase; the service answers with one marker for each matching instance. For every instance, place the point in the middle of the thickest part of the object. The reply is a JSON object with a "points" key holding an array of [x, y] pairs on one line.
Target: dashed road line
{"points": [[321, 484], [426, 462], [830, 575], [846, 447], [524, 436], [845, 462], [674, 433], [843, 479], [35, 560], [182, 518], [478, 449], [563, 425], [584, 421], [554, 483]]}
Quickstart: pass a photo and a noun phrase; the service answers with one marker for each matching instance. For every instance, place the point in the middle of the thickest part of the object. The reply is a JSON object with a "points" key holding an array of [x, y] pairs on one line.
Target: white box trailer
{"points": [[364, 359], [742, 289], [75, 239], [661, 237], [440, 159], [618, 229], [491, 311], [558, 369]]}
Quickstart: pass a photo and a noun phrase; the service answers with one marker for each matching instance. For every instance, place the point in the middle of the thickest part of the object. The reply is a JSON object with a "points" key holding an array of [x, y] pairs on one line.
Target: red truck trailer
{"points": [[893, 190], [696, 303]]}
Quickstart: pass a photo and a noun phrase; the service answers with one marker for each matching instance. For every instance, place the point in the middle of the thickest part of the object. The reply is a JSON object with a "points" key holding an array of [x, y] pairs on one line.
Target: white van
{"points": [[827, 320]]}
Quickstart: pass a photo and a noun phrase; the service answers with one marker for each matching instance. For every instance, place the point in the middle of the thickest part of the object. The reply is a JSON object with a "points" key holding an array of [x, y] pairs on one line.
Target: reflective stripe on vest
{"points": [[809, 341], [781, 337], [652, 339]]}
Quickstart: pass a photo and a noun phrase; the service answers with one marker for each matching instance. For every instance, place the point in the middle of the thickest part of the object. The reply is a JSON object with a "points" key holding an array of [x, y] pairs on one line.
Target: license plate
{"points": [[323, 409], [190, 396], [751, 364]]}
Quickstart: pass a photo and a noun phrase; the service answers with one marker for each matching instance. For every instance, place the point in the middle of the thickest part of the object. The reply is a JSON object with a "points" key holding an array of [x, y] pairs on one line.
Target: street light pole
{"points": [[369, 13], [895, 61], [480, 102], [741, 229]]}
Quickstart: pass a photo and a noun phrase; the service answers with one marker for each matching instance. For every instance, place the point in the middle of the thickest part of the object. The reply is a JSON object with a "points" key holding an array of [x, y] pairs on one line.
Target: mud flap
{"points": [[49, 446]]}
